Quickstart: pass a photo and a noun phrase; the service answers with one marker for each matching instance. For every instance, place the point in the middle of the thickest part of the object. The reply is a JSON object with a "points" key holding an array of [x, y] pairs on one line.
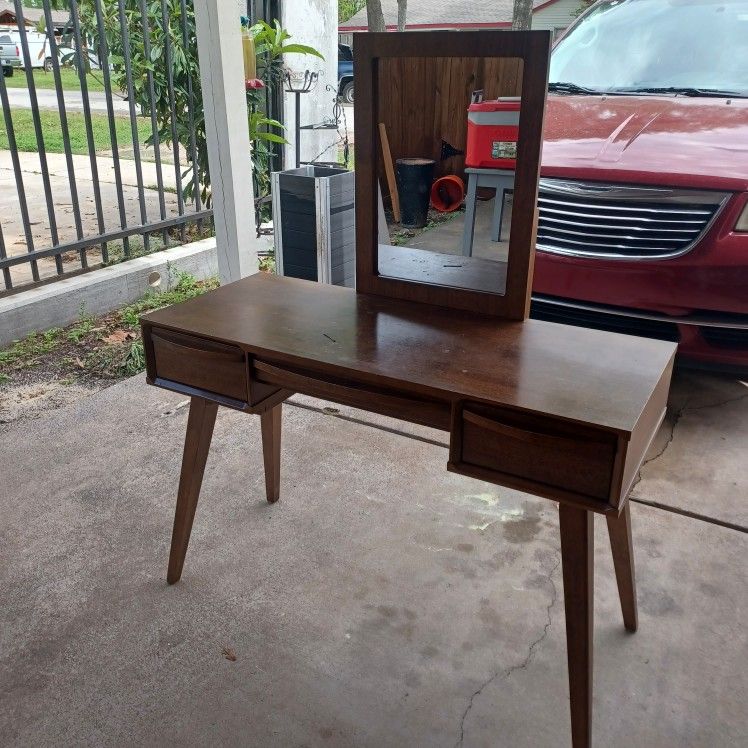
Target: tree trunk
{"points": [[402, 9], [522, 16], [374, 15]]}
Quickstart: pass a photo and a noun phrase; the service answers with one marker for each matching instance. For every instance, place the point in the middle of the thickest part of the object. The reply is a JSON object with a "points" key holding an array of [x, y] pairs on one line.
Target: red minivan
{"points": [[643, 207]]}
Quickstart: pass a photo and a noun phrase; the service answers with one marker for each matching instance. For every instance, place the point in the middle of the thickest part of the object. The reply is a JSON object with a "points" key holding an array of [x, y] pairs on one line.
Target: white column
{"points": [[315, 23], [224, 99]]}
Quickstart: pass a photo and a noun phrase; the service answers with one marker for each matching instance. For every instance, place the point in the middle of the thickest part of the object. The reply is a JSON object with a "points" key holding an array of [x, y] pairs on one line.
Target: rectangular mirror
{"points": [[447, 129], [448, 138]]}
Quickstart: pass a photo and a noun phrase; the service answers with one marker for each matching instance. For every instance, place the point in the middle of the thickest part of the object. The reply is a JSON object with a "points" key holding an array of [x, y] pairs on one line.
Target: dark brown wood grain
{"points": [[375, 82], [577, 555], [388, 402], [648, 424], [621, 543], [584, 376], [200, 424], [270, 425], [548, 455], [201, 363]]}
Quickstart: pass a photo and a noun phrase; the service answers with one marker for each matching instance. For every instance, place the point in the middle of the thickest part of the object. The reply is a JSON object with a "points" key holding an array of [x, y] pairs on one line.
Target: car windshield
{"points": [[693, 47]]}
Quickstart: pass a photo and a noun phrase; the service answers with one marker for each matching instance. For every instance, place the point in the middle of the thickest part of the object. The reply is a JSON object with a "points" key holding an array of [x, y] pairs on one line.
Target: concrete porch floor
{"points": [[381, 602]]}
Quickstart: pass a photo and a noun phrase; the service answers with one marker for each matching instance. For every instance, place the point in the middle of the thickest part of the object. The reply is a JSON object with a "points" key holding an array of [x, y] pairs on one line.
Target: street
{"points": [[47, 98]]}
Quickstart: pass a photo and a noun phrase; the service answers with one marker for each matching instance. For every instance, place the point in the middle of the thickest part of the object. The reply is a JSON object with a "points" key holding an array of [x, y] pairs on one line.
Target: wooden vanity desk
{"points": [[560, 412]]}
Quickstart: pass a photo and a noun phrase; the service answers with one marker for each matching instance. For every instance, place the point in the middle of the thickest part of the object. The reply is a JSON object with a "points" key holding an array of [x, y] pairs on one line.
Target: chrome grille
{"points": [[589, 219]]}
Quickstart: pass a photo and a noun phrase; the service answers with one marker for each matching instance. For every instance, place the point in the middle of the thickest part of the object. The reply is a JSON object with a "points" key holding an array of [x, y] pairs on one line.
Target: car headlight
{"points": [[742, 224]]}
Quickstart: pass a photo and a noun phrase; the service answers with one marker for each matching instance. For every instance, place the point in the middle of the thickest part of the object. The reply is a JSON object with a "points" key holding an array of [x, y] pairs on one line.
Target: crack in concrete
{"points": [[676, 419], [514, 668], [678, 414]]}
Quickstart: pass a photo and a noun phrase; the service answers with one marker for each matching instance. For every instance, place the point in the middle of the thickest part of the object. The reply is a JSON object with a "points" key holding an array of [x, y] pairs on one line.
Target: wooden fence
{"points": [[424, 101]]}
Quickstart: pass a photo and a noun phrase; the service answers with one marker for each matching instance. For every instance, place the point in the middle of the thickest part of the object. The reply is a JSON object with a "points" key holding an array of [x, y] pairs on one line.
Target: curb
{"points": [[59, 303]]}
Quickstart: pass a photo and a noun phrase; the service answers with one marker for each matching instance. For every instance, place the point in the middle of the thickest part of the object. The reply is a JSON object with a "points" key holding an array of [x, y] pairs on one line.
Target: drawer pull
{"points": [[427, 412], [549, 457], [304, 383], [524, 435], [204, 347]]}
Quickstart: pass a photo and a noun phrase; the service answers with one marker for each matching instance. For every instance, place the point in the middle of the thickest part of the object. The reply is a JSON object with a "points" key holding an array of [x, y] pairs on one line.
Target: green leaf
{"points": [[271, 136], [301, 49], [272, 123]]}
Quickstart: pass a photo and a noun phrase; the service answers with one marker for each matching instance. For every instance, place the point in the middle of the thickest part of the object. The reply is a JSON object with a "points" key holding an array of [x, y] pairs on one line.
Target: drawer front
{"points": [[201, 363], [536, 450], [356, 394]]}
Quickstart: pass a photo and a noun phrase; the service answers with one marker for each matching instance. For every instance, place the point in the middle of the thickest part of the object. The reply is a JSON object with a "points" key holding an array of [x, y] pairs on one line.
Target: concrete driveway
{"points": [[381, 602], [12, 223]]}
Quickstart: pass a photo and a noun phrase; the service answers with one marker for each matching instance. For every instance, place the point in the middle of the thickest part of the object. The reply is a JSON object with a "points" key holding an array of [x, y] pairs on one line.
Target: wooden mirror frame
{"points": [[533, 48]]}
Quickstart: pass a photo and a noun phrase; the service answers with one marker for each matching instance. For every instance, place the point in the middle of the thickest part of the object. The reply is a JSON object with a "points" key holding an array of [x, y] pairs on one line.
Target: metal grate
{"points": [[106, 201], [620, 222], [567, 313]]}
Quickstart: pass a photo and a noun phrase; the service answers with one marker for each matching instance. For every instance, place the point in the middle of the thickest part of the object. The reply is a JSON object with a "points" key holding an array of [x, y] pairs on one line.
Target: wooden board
{"points": [[389, 170], [423, 101]]}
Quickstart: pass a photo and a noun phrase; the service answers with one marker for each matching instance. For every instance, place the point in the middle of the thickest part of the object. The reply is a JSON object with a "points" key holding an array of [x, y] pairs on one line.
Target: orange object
{"points": [[492, 132], [447, 193]]}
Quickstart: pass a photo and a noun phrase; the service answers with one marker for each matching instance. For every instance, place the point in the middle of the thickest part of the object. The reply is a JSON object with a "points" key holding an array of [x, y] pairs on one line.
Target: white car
{"points": [[38, 46], [9, 55]]}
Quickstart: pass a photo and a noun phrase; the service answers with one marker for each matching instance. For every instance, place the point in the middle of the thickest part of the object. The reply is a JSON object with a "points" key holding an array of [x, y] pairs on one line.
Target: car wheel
{"points": [[48, 65], [347, 94]]}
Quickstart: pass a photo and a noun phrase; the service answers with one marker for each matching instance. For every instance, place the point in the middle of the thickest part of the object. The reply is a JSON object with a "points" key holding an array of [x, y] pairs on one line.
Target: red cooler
{"points": [[492, 134]]}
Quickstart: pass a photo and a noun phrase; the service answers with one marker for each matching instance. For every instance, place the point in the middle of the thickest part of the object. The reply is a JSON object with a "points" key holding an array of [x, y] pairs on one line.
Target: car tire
{"points": [[48, 65], [347, 93]]}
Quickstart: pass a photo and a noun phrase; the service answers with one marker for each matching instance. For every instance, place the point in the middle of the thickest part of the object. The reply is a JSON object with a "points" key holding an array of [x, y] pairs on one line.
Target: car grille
{"points": [[620, 222]]}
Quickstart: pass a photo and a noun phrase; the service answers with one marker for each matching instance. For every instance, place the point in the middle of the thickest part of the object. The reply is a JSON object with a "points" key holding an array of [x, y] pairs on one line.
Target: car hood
{"points": [[665, 140]]}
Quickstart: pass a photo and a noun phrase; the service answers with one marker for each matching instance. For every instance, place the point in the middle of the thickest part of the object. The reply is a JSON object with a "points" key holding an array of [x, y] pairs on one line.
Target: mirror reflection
{"points": [[447, 129]]}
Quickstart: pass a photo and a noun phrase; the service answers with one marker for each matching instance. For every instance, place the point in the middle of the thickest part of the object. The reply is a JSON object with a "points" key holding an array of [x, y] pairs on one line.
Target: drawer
{"points": [[553, 458], [357, 394], [200, 363]]}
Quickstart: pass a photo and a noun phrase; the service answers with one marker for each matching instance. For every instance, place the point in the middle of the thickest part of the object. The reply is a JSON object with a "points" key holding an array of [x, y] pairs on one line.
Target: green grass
{"points": [[70, 80], [27, 351], [351, 158], [107, 347], [186, 287], [128, 358], [23, 128]]}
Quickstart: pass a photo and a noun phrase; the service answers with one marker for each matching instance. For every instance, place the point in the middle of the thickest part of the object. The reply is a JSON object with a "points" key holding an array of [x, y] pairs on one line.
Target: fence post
{"points": [[227, 132]]}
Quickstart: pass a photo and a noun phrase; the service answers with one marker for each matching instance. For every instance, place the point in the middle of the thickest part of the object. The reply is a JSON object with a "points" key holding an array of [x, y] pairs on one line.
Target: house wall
{"points": [[558, 15], [312, 22]]}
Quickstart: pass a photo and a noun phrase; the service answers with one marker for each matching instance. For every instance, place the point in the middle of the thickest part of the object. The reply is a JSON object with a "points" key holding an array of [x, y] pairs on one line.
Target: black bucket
{"points": [[414, 178]]}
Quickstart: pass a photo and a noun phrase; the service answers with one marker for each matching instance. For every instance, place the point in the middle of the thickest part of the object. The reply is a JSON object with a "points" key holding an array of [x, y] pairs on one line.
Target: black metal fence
{"points": [[107, 174]]}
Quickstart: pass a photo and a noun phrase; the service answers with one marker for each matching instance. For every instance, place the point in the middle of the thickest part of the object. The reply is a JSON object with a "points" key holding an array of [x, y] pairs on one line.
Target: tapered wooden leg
{"points": [[619, 530], [200, 424], [576, 558], [270, 424]]}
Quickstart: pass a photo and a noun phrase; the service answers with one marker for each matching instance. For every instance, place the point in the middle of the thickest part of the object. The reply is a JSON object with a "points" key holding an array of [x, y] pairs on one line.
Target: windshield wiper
{"points": [[572, 88], [681, 91]]}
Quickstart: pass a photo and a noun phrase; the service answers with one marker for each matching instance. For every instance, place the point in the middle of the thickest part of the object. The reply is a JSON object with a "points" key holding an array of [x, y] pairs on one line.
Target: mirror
{"points": [[446, 131]]}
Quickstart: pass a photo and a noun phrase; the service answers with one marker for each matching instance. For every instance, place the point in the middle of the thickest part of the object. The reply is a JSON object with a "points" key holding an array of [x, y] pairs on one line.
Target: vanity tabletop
{"points": [[585, 376]]}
